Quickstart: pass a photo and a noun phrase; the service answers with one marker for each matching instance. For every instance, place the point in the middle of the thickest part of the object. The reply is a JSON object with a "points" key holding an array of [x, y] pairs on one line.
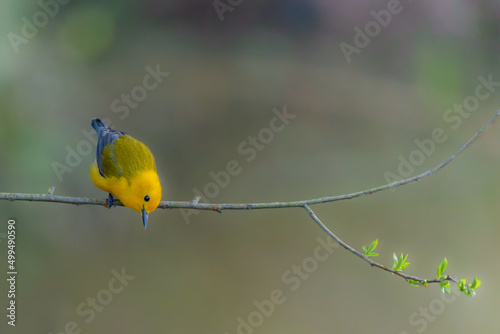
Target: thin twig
{"points": [[370, 261]]}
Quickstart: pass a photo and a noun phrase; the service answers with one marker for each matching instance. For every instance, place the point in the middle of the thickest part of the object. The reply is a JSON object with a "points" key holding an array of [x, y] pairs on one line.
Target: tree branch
{"points": [[370, 261], [305, 204], [49, 197]]}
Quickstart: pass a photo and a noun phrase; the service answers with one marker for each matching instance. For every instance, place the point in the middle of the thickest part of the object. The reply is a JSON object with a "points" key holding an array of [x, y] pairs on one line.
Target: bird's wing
{"points": [[105, 162]]}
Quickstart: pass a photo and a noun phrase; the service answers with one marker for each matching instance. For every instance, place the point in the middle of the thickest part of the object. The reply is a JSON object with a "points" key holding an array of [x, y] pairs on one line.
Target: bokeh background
{"points": [[230, 64]]}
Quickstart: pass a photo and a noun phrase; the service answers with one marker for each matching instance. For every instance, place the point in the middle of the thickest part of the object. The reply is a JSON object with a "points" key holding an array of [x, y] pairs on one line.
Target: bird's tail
{"points": [[97, 124]]}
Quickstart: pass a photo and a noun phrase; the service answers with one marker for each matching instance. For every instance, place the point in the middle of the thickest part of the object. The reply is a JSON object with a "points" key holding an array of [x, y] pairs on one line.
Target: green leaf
{"points": [[445, 286], [413, 282], [442, 268], [475, 283], [369, 251], [395, 266], [404, 264], [461, 284], [373, 245], [472, 287], [400, 263]]}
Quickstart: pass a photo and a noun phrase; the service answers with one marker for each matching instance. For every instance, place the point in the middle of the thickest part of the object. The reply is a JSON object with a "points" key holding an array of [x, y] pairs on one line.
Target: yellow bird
{"points": [[125, 168]]}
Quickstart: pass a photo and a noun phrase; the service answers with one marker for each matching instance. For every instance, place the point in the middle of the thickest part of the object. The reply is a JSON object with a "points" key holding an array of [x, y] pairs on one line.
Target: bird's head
{"points": [[145, 191]]}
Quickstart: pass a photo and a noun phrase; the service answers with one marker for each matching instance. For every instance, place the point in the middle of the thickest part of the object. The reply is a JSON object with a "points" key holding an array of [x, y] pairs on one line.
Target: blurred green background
{"points": [[230, 63]]}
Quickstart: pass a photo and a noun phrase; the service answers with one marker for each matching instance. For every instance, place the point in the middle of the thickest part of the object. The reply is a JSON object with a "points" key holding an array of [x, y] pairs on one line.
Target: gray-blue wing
{"points": [[105, 137]]}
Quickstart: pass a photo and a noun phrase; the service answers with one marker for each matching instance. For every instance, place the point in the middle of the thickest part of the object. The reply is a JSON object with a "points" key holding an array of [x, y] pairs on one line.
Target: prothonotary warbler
{"points": [[125, 168]]}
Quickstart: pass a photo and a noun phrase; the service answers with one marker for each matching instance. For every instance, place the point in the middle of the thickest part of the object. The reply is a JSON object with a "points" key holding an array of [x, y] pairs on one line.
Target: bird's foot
{"points": [[111, 201]]}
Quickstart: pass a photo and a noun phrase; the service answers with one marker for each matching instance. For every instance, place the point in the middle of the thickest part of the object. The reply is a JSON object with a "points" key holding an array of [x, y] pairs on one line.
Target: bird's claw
{"points": [[111, 201]]}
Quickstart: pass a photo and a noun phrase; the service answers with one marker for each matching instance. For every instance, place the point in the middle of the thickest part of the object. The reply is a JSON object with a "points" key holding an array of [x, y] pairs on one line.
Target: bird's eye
{"points": [[146, 198]]}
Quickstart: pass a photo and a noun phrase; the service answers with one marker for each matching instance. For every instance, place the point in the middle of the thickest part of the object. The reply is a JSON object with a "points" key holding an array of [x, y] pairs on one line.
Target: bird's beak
{"points": [[144, 217]]}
